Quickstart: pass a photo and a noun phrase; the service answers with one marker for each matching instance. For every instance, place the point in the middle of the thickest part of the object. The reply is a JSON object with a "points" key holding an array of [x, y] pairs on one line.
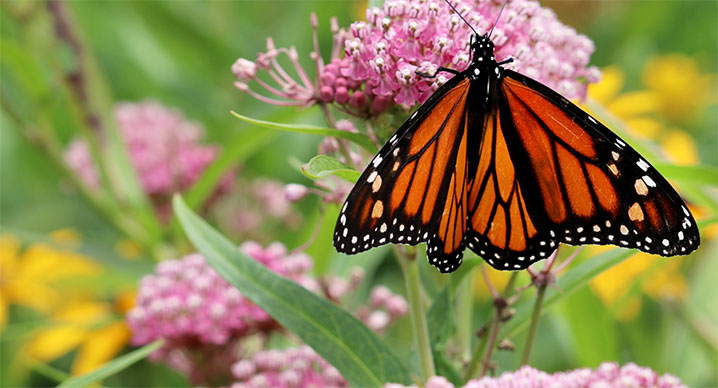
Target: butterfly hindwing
{"points": [[500, 228], [404, 191]]}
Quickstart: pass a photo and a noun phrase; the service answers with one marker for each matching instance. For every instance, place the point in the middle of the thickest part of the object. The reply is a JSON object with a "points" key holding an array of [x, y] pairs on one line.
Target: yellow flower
{"points": [[679, 86], [51, 281], [659, 278], [679, 147], [636, 109], [93, 327], [28, 278]]}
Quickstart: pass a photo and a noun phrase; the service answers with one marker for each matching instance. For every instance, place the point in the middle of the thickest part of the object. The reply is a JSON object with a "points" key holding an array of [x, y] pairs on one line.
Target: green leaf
{"points": [[118, 364], [358, 138], [361, 357], [703, 175], [241, 148], [322, 166], [566, 284]]}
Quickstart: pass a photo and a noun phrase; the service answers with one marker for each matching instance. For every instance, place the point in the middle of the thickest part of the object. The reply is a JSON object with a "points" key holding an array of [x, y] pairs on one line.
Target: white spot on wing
{"points": [[642, 164], [649, 181], [371, 177]]}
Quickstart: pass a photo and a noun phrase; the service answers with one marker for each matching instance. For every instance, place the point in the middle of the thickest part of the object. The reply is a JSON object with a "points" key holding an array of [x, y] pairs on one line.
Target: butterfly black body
{"points": [[501, 164]]}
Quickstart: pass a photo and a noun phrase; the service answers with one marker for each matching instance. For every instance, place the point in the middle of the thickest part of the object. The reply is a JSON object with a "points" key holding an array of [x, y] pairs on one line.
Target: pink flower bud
{"points": [[244, 69], [341, 95], [326, 94], [358, 99], [293, 192]]}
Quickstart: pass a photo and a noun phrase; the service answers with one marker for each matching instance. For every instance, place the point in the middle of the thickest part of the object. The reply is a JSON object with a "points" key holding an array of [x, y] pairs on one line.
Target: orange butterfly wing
{"points": [[414, 190], [548, 172]]}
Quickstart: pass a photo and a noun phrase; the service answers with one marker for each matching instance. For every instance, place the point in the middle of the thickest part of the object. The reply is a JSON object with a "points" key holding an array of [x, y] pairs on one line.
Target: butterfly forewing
{"points": [[402, 194]]}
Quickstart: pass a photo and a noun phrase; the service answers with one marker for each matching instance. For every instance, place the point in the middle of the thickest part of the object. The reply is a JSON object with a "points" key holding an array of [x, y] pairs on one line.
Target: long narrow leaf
{"points": [[112, 367], [357, 138], [703, 175], [361, 357]]}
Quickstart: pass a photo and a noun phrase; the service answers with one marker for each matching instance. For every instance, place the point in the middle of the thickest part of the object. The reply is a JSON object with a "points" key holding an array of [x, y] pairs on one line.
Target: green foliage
{"points": [[322, 166]]}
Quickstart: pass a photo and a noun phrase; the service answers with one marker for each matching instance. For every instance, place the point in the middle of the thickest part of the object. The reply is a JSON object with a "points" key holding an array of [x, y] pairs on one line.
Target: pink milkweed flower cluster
{"points": [[607, 375], [197, 312], [163, 146], [164, 149], [187, 298], [288, 368], [376, 66]]}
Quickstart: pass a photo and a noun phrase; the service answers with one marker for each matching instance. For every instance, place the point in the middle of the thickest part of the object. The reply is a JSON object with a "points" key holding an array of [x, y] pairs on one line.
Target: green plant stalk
{"points": [[535, 317], [103, 204], [464, 313], [410, 268], [329, 118], [93, 99], [479, 349]]}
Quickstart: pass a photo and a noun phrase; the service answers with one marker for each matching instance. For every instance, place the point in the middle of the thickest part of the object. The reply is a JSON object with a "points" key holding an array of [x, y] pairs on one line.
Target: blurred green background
{"points": [[180, 53]]}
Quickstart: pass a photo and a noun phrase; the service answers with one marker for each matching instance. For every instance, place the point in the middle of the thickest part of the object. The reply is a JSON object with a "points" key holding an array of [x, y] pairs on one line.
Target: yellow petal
{"points": [[609, 86], [28, 292], [634, 103], [647, 128], [67, 236], [680, 85], [100, 346], [614, 283], [87, 313], [43, 262], [125, 300], [3, 310], [667, 282], [9, 248], [49, 344], [680, 147]]}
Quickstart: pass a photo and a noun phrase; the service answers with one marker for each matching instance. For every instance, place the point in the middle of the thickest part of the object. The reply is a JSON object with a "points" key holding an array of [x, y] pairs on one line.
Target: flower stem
{"points": [[410, 268], [534, 324], [343, 148], [464, 313], [476, 359]]}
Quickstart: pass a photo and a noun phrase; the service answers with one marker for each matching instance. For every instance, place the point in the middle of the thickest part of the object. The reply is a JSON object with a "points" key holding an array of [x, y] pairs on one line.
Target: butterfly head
{"points": [[482, 48]]}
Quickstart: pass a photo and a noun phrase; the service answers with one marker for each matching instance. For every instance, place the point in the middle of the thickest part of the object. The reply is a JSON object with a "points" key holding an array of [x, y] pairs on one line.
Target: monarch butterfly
{"points": [[499, 163]]}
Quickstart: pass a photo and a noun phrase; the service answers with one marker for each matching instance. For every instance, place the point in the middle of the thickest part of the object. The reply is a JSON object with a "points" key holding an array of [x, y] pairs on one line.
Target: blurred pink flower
{"points": [[163, 146], [199, 314], [607, 375], [257, 208], [287, 368]]}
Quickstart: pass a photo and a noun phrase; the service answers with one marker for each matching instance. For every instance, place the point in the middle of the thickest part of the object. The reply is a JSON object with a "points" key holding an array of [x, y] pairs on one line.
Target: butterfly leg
{"points": [[505, 61], [439, 70]]}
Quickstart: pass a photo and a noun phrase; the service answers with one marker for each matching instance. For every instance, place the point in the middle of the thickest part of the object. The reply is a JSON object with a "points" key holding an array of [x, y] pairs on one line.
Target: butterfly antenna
{"points": [[497, 17], [462, 18]]}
